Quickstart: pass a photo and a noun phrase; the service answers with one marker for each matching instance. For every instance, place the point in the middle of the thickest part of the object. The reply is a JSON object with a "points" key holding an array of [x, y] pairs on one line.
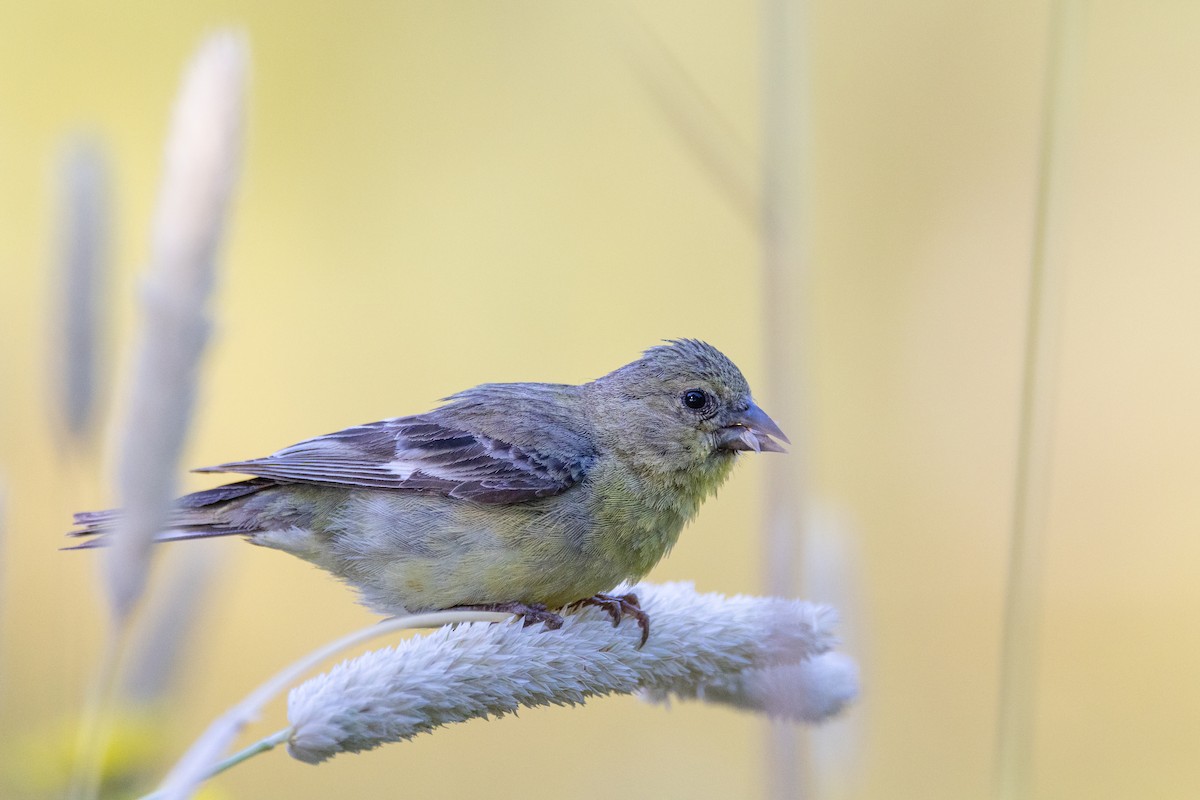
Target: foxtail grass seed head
{"points": [[486, 670], [203, 152], [807, 691], [82, 251]]}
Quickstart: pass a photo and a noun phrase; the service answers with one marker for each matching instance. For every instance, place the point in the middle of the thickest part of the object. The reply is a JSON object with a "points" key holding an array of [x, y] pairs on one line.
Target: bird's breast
{"points": [[640, 513]]}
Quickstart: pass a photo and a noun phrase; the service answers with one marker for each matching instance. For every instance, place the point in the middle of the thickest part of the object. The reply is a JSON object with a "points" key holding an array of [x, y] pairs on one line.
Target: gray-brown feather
{"points": [[447, 452]]}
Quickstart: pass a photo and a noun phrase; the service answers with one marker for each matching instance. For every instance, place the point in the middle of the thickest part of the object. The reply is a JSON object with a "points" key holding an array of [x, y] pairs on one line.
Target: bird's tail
{"points": [[195, 516]]}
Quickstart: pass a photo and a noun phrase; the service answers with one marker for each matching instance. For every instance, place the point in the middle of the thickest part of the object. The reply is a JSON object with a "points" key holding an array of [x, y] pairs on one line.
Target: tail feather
{"points": [[195, 516], [223, 493], [100, 537]]}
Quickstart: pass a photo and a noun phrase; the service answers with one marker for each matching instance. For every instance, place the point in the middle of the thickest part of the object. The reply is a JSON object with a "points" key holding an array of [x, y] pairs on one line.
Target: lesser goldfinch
{"points": [[523, 497]]}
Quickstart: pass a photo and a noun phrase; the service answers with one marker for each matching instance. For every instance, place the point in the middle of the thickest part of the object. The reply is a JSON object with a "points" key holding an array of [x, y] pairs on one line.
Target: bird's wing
{"points": [[420, 454]]}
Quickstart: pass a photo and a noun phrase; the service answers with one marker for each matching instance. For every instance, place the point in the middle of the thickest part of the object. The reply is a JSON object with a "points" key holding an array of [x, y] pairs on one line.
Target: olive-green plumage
{"points": [[509, 493]]}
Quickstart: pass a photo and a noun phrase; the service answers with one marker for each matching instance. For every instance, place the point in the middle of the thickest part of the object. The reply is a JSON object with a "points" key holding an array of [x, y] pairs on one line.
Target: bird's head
{"points": [[683, 403]]}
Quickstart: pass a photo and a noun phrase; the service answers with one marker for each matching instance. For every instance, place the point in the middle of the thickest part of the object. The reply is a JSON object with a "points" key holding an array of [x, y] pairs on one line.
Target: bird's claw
{"points": [[530, 613], [617, 606]]}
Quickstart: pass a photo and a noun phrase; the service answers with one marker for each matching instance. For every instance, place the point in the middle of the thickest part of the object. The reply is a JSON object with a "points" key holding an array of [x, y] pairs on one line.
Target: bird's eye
{"points": [[695, 399]]}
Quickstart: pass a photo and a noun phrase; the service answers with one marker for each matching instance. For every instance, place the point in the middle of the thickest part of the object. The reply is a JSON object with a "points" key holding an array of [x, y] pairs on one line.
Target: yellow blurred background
{"points": [[440, 194]]}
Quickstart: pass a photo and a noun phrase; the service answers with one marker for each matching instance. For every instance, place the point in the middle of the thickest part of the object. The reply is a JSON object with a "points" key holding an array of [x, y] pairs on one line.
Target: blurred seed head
{"points": [[82, 272], [203, 154]]}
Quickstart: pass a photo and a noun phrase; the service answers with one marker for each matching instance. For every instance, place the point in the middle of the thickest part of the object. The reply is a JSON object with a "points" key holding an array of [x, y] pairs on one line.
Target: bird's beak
{"points": [[752, 429]]}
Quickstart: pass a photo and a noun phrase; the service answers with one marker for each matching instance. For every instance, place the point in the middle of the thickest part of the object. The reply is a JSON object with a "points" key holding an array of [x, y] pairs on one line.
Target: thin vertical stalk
{"points": [[701, 126], [1023, 601], [3, 561], [786, 110]]}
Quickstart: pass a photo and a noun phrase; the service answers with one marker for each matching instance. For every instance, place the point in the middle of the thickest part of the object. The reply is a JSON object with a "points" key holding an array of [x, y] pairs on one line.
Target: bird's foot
{"points": [[530, 613], [617, 606]]}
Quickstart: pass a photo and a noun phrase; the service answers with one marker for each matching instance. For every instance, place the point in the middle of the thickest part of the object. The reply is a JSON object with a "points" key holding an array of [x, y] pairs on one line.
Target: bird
{"points": [[529, 498]]}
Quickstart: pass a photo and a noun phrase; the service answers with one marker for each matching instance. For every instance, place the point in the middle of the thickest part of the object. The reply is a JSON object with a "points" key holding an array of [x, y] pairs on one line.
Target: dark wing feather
{"points": [[423, 454]]}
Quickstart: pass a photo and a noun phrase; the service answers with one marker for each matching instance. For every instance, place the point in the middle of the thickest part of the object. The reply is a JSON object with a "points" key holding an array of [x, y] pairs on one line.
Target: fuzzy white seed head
{"points": [[484, 670], [807, 691]]}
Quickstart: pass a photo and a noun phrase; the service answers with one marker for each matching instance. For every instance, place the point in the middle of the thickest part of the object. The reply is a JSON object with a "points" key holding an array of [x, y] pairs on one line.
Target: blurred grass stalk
{"points": [[202, 157], [779, 214], [174, 605], [1032, 482], [3, 561], [697, 121], [83, 262], [786, 145]]}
